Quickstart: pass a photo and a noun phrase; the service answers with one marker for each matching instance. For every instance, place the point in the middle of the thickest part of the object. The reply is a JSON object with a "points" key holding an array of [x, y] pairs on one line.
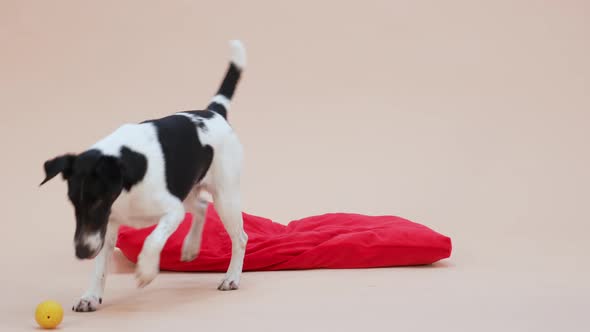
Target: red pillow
{"points": [[335, 240]]}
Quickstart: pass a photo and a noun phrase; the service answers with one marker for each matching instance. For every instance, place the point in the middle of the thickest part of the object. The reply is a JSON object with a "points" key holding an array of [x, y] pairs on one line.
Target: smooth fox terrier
{"points": [[151, 173]]}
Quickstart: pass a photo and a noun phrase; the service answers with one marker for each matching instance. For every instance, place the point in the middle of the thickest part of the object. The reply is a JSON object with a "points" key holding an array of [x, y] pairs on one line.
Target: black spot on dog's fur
{"points": [[186, 160], [201, 124], [218, 108], [207, 159], [208, 114]]}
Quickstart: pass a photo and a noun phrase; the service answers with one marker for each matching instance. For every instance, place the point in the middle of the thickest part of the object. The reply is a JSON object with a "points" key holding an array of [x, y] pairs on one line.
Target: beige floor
{"points": [[472, 117]]}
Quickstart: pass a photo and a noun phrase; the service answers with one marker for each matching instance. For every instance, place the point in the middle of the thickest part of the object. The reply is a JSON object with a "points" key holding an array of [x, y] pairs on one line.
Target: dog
{"points": [[154, 172]]}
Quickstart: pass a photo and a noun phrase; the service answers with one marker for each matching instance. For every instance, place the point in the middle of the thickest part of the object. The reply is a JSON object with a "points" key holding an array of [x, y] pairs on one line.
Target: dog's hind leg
{"points": [[228, 205], [197, 206]]}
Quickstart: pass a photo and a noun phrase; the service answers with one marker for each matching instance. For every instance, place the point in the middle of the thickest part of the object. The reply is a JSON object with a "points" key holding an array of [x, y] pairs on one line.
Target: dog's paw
{"points": [[87, 303], [229, 284], [147, 270], [190, 251]]}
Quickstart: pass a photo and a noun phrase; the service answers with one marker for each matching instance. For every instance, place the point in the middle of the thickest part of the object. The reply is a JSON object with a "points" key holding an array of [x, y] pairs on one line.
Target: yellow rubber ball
{"points": [[49, 314]]}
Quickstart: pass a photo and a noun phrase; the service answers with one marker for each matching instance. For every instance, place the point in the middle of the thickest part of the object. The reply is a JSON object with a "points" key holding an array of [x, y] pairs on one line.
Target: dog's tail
{"points": [[220, 103]]}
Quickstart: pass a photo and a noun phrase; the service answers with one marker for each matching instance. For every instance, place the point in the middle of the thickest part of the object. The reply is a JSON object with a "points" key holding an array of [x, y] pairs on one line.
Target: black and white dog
{"points": [[153, 173]]}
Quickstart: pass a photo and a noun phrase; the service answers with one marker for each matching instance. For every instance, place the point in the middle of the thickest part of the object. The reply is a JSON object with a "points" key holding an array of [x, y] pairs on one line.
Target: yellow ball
{"points": [[49, 314]]}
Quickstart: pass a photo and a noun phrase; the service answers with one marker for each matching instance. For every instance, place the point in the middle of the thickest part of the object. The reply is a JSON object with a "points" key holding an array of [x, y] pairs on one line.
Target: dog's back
{"points": [[179, 149]]}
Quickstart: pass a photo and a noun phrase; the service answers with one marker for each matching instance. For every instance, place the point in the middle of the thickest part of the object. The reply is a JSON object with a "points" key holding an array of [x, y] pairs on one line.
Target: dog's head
{"points": [[94, 181]]}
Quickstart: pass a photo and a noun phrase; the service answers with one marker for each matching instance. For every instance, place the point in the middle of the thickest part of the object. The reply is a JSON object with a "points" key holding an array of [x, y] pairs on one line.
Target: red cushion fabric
{"points": [[334, 240]]}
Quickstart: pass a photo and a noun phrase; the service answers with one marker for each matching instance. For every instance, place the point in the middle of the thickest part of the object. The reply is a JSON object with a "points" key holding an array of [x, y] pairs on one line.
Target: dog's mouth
{"points": [[89, 257], [94, 255]]}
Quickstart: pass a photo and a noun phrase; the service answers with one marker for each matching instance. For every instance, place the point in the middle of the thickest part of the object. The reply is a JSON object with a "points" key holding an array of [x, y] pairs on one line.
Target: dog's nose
{"points": [[83, 252]]}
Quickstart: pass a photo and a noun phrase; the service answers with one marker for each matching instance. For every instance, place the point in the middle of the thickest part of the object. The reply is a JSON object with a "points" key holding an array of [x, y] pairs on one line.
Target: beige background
{"points": [[471, 117]]}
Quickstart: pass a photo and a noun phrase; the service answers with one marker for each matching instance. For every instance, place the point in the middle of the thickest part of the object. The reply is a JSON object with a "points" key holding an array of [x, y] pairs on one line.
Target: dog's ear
{"points": [[133, 167], [62, 164], [129, 168]]}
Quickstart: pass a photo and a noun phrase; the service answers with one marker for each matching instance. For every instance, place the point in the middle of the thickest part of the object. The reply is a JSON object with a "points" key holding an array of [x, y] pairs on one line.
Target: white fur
{"points": [[92, 241], [221, 99], [238, 53], [149, 202]]}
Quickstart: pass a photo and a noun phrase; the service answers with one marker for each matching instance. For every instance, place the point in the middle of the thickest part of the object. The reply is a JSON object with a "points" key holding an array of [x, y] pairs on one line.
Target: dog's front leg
{"points": [[148, 262], [93, 296]]}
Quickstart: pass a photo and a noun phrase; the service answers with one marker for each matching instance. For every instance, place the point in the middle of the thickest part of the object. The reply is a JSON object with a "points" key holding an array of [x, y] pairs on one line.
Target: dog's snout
{"points": [[83, 252], [88, 245]]}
